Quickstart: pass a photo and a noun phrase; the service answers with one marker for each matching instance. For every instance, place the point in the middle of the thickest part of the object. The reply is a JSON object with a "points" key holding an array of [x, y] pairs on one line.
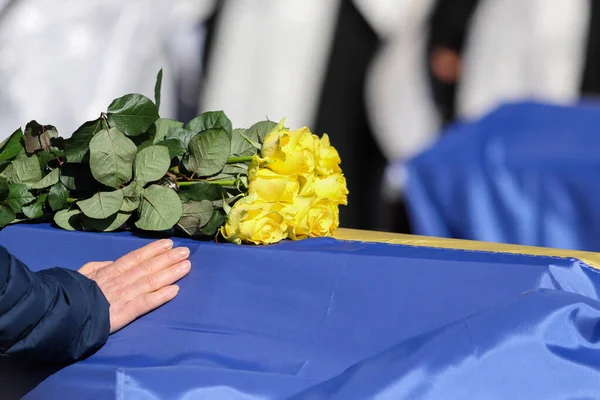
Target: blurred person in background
{"points": [[449, 25], [544, 50], [411, 87], [460, 59], [63, 62], [306, 60]]}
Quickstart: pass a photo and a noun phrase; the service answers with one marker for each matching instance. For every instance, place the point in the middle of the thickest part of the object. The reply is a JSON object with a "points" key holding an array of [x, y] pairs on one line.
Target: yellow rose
{"points": [[328, 158], [332, 188], [307, 185], [296, 215], [300, 231], [271, 146], [251, 220], [237, 214], [303, 138], [289, 153], [263, 228], [302, 147], [323, 219], [306, 163], [270, 186]]}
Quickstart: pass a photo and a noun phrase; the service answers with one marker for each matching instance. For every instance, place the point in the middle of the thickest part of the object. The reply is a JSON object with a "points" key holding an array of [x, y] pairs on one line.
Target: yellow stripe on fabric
{"points": [[591, 259]]}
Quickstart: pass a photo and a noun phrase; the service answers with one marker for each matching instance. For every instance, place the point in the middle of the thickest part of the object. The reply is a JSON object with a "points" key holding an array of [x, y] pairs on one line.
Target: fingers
{"points": [[140, 281], [146, 269], [91, 268], [157, 281], [137, 257], [142, 305]]}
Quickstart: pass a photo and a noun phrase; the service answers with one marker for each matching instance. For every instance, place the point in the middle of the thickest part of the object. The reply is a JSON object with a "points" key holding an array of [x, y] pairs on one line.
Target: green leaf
{"points": [[45, 158], [196, 215], [210, 120], [161, 128], [160, 209], [132, 196], [8, 173], [69, 219], [111, 157], [26, 169], [7, 216], [235, 169], [209, 152], [36, 209], [176, 148], [18, 221], [151, 164], [185, 162], [5, 141], [201, 191], [4, 189], [242, 145], [226, 203], [183, 135], [142, 141], [158, 132], [12, 146], [226, 206], [157, 88], [132, 114], [49, 180], [216, 220], [109, 224], [57, 197], [78, 177], [18, 196], [78, 144], [38, 137], [141, 146], [261, 129], [102, 205]]}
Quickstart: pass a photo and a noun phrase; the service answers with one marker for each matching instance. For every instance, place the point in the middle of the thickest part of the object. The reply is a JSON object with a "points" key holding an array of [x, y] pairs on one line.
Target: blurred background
{"points": [[472, 119]]}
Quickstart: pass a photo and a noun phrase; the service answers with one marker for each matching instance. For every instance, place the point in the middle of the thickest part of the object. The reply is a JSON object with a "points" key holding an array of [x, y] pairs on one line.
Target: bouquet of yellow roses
{"points": [[130, 169], [295, 186]]}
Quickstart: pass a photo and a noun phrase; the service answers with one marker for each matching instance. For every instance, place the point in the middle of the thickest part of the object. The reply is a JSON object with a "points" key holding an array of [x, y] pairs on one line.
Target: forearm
{"points": [[55, 315]]}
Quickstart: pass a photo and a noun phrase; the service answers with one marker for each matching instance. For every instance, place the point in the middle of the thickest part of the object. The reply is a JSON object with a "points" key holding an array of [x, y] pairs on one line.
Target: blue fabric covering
{"points": [[325, 319], [526, 174]]}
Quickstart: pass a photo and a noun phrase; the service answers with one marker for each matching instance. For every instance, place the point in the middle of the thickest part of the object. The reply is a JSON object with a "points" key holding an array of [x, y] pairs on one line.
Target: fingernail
{"points": [[174, 290], [184, 266], [166, 243], [183, 251]]}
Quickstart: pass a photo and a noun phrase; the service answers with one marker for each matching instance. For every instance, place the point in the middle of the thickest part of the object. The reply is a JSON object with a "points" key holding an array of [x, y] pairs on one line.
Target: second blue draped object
{"points": [[526, 174], [326, 319]]}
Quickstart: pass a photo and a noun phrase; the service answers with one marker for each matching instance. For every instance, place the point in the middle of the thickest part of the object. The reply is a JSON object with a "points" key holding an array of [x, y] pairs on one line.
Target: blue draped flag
{"points": [[329, 319], [525, 174]]}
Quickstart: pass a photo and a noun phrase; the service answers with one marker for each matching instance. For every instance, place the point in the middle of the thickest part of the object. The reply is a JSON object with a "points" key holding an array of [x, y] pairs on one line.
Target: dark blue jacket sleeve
{"points": [[56, 315]]}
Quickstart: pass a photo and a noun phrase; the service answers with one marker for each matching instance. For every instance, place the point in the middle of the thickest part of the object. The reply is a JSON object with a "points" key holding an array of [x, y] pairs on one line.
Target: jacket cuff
{"points": [[87, 315]]}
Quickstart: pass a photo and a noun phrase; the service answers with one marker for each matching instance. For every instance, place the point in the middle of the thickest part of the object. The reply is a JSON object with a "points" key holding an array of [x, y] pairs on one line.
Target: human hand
{"points": [[140, 281]]}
